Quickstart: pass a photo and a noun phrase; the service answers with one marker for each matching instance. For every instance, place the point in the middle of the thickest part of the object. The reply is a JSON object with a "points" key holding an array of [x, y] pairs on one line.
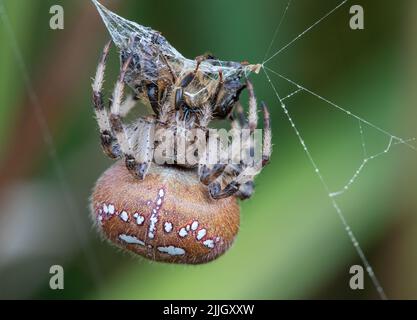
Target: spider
{"points": [[174, 110], [161, 205]]}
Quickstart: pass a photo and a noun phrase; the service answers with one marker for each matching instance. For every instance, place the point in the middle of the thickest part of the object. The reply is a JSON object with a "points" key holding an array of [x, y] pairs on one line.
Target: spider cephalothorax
{"points": [[184, 97]]}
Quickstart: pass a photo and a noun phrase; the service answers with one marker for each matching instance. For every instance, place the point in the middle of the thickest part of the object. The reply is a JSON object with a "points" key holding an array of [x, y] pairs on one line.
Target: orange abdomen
{"points": [[169, 216]]}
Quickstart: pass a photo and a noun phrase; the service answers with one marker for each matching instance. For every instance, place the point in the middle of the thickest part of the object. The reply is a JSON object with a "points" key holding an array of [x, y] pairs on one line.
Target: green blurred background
{"points": [[291, 243]]}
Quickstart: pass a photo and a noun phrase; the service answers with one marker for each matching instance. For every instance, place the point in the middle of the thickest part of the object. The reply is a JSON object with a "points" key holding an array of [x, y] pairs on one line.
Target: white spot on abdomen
{"points": [[168, 227], [194, 225], [139, 218], [209, 243], [182, 233], [110, 207], [201, 233], [152, 225], [154, 215], [131, 239], [124, 216], [172, 251]]}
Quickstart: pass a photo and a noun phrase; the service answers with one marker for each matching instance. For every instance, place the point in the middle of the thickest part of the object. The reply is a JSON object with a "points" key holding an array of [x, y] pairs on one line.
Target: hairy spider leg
{"points": [[108, 141], [242, 183], [239, 119], [137, 161], [253, 111]]}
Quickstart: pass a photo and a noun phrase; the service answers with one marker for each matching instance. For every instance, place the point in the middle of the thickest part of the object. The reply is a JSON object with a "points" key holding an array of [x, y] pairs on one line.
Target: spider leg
{"points": [[208, 175], [205, 116], [242, 185], [115, 110], [137, 166], [216, 191], [152, 92], [205, 56], [128, 105], [240, 177], [142, 138], [267, 136], [247, 186], [246, 190], [218, 88], [213, 177], [174, 77], [108, 141], [239, 120], [253, 110], [227, 102]]}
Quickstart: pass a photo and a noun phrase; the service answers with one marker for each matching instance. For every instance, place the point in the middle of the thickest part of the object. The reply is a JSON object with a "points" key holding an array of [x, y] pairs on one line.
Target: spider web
{"points": [[367, 158], [122, 30], [130, 37]]}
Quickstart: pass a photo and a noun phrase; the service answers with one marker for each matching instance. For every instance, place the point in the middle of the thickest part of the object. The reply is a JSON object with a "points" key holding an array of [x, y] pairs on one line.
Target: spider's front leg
{"points": [[226, 96], [108, 141], [208, 174], [245, 179], [213, 174], [240, 177], [141, 136]]}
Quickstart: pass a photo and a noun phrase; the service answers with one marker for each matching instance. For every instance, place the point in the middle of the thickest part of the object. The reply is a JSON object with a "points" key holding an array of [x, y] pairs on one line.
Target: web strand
{"points": [[277, 30], [305, 32], [149, 44], [48, 140], [292, 94], [363, 121], [393, 140], [365, 152], [366, 160], [333, 201]]}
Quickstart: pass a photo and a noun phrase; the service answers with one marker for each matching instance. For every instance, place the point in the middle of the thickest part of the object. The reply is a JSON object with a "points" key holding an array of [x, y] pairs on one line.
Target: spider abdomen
{"points": [[167, 217]]}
